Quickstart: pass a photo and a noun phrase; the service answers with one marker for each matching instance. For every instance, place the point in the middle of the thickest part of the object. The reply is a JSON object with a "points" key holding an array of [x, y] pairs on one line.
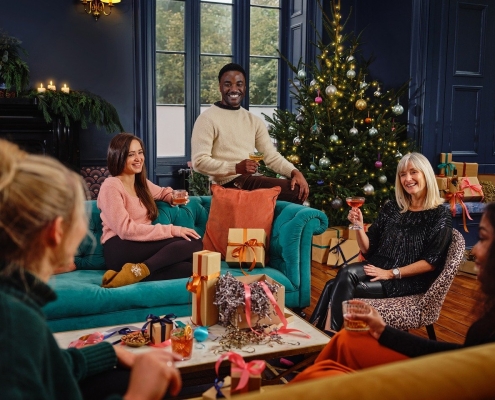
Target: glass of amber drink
{"points": [[350, 307], [256, 156], [179, 197], [355, 202], [182, 341]]}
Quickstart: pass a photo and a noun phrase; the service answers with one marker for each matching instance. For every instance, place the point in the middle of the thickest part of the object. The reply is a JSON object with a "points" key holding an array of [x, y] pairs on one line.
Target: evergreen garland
{"points": [[78, 106], [198, 184], [13, 70]]}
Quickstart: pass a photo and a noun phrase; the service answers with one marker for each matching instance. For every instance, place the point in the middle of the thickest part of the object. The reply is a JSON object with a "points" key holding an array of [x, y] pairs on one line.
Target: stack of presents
{"points": [[458, 184], [460, 187]]}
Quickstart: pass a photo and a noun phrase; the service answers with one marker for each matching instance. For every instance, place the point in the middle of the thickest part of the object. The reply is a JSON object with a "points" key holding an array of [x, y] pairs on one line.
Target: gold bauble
{"points": [[295, 159], [361, 104]]}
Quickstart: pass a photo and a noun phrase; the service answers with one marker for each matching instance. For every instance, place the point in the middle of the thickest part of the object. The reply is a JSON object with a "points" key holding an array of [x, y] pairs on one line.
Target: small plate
{"points": [[130, 343]]}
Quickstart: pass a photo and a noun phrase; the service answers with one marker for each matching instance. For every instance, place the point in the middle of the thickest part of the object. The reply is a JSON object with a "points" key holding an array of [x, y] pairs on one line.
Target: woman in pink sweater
{"points": [[134, 249]]}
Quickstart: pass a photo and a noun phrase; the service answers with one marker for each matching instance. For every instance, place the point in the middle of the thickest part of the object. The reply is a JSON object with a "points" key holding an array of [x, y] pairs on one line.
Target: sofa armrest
{"points": [[458, 374], [290, 247]]}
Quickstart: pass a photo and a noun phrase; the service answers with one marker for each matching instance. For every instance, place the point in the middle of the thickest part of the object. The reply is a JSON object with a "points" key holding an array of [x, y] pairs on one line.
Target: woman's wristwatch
{"points": [[396, 272]]}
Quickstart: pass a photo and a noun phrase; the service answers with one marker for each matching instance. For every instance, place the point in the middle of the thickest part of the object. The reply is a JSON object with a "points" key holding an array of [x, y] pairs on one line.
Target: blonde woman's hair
{"points": [[421, 163], [34, 191]]}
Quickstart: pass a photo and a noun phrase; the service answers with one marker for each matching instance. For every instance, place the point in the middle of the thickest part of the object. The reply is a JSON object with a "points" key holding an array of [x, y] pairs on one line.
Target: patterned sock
{"points": [[129, 274]]}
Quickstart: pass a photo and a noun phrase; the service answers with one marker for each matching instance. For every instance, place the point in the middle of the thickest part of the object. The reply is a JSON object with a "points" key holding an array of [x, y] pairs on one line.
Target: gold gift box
{"points": [[155, 330], [252, 385], [321, 243], [469, 193], [466, 168], [206, 267], [239, 320], [245, 246], [343, 252], [442, 182], [445, 158]]}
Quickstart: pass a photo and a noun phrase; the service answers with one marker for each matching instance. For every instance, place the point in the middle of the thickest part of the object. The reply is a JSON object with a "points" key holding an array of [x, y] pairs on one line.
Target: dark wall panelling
{"points": [[469, 39], [464, 119]]}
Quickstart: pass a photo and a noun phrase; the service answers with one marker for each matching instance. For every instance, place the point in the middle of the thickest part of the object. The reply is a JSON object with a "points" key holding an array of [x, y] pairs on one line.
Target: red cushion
{"points": [[235, 208]]}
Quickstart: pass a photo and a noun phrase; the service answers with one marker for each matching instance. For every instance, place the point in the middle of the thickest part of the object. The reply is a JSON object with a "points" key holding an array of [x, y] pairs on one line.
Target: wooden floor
{"points": [[455, 317]]}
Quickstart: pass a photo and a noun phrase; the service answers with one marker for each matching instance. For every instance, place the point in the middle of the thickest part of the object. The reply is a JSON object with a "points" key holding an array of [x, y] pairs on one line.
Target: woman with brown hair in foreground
{"points": [[42, 222], [349, 351]]}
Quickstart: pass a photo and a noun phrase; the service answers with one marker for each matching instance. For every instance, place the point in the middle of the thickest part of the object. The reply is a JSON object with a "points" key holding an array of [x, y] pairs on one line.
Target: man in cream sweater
{"points": [[225, 134]]}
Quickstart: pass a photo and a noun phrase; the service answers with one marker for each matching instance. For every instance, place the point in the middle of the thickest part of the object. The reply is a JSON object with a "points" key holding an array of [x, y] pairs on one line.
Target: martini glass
{"points": [[256, 156], [355, 202]]}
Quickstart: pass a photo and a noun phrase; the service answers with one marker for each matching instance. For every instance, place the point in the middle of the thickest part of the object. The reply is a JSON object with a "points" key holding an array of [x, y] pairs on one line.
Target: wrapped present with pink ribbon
{"points": [[472, 189], [245, 377]]}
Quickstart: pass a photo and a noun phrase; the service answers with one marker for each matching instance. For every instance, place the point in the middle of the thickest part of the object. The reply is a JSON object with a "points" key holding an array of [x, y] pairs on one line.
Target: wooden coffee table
{"points": [[205, 354]]}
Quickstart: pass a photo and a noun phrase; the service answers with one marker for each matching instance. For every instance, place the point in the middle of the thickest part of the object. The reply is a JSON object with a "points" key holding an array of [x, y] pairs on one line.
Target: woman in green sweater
{"points": [[42, 222]]}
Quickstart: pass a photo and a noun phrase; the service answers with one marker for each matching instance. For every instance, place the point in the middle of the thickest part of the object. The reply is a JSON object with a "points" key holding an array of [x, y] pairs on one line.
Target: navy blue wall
{"points": [[67, 46]]}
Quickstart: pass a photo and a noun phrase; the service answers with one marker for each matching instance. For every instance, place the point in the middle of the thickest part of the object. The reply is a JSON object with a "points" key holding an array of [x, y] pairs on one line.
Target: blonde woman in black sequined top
{"points": [[404, 249]]}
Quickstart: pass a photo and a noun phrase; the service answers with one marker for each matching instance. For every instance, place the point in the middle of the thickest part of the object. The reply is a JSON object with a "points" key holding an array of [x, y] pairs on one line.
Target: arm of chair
{"points": [[290, 247]]}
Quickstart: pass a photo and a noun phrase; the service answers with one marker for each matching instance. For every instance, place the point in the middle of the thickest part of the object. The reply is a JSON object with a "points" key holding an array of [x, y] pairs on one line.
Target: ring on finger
{"points": [[170, 364]]}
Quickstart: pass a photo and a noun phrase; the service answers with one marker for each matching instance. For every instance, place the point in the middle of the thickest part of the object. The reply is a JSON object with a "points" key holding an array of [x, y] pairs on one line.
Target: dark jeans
{"points": [[250, 182], [166, 259], [350, 282]]}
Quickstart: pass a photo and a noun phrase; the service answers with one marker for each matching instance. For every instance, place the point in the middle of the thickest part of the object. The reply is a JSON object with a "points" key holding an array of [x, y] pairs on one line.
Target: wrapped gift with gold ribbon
{"points": [[159, 328], [343, 252], [446, 166], [206, 270], [472, 188], [321, 243], [246, 248], [458, 197]]}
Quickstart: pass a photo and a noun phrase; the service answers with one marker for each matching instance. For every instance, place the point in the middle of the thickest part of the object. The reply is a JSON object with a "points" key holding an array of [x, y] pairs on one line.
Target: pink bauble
{"points": [[378, 164], [318, 100]]}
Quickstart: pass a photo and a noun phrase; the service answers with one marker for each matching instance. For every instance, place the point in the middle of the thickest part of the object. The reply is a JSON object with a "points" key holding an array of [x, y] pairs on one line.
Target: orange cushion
{"points": [[236, 208]]}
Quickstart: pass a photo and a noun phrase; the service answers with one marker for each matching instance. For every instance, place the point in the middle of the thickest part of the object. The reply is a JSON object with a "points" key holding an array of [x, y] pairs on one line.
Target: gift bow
{"points": [[254, 367], [239, 252], [458, 197], [152, 319], [465, 184], [193, 285], [447, 165]]}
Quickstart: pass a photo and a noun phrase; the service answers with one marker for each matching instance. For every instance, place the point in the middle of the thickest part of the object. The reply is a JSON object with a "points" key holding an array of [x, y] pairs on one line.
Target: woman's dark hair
{"points": [[486, 275], [118, 150]]}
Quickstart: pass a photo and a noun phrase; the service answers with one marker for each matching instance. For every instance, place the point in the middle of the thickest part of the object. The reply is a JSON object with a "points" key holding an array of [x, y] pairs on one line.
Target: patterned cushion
{"points": [[412, 312], [94, 177]]}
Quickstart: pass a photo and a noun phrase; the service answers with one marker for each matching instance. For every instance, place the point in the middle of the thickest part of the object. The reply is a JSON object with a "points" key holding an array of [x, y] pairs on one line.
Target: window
{"points": [[211, 44]]}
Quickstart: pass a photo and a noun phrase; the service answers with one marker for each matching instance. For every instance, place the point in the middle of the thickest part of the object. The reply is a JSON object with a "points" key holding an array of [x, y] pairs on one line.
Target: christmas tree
{"points": [[347, 136]]}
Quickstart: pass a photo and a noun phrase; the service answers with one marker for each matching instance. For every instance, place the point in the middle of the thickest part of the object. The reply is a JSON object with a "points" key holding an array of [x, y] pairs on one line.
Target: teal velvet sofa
{"points": [[83, 303]]}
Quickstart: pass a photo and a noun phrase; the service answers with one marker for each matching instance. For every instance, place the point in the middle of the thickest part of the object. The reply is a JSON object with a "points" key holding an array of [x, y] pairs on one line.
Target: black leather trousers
{"points": [[350, 282]]}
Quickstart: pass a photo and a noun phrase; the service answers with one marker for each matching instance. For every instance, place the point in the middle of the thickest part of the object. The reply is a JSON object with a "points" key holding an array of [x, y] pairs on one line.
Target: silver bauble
{"points": [[398, 154], [351, 74], [306, 203], [315, 129], [336, 203], [312, 167], [299, 118], [353, 131], [297, 141], [377, 93], [334, 138], [330, 90], [372, 131], [382, 179], [301, 74], [324, 162], [356, 160], [368, 189], [350, 59], [363, 85], [292, 129], [313, 83], [397, 109]]}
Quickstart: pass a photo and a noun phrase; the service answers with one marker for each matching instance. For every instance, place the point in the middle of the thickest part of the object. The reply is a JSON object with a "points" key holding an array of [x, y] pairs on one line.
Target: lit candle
{"points": [[41, 89], [65, 89], [51, 86]]}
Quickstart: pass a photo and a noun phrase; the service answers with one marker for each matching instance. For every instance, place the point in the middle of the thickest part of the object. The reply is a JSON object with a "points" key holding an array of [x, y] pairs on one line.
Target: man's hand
{"points": [[246, 167], [298, 179]]}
